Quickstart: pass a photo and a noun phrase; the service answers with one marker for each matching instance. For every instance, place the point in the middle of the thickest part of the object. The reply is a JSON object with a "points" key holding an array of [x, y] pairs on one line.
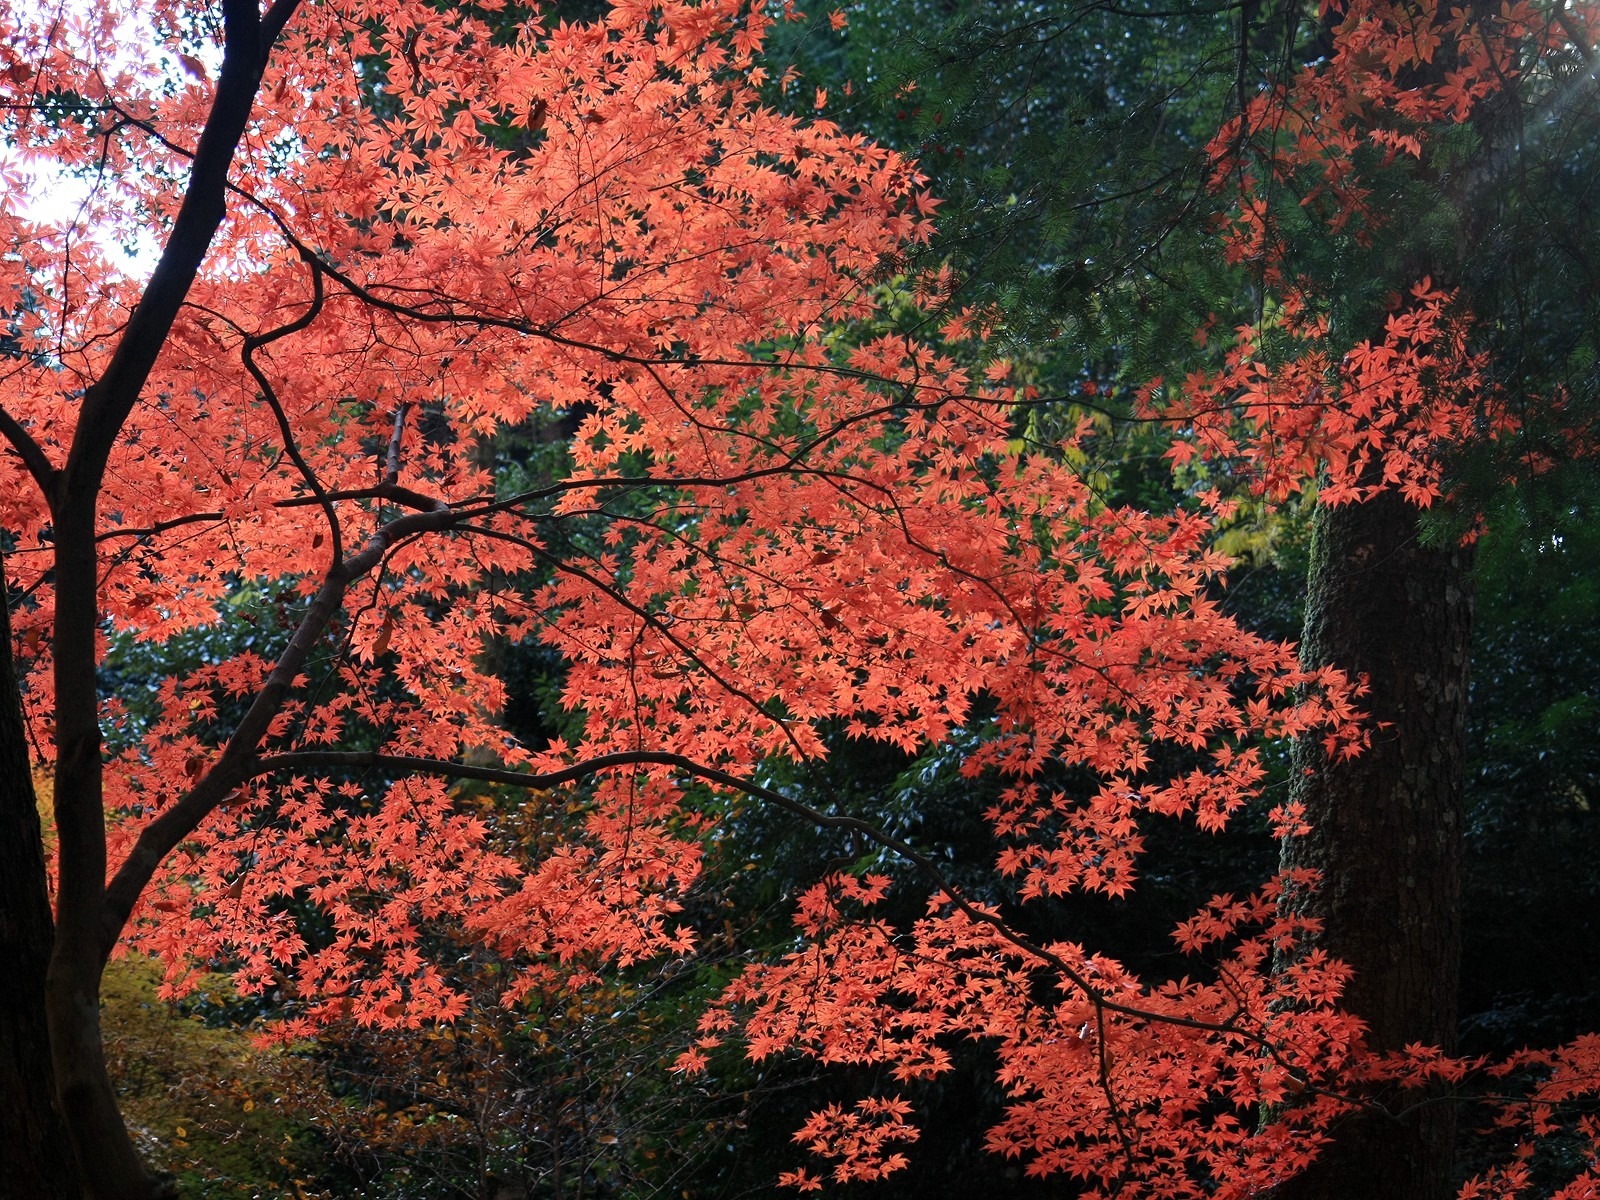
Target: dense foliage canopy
{"points": [[473, 328]]}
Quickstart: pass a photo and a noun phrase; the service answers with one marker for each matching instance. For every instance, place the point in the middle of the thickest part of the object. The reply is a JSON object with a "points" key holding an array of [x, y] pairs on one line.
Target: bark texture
{"points": [[35, 1155], [1387, 825]]}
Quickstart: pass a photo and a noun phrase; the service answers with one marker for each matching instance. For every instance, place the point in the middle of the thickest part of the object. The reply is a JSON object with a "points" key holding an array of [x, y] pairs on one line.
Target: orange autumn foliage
{"points": [[433, 230], [1384, 413]]}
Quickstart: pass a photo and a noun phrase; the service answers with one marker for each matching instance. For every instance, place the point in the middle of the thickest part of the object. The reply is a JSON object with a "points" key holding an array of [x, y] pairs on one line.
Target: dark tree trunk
{"points": [[106, 1155], [86, 928], [35, 1156], [1387, 825]]}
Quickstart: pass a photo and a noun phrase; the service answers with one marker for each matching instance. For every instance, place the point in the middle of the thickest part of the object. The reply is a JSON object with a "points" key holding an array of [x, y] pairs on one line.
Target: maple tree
{"points": [[390, 232]]}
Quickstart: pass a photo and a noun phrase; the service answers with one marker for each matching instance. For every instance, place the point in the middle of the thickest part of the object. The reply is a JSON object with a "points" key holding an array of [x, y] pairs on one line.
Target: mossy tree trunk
{"points": [[1387, 826]]}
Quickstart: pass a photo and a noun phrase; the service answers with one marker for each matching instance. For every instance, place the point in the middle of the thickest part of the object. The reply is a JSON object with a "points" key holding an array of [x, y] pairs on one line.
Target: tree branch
{"points": [[247, 355], [273, 21], [391, 466], [160, 526], [107, 403], [29, 451], [395, 493], [322, 760], [232, 767]]}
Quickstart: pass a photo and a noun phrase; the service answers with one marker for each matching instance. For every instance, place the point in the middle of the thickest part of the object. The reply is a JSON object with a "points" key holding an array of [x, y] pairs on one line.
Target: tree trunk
{"points": [[35, 1157], [1386, 827], [106, 1156]]}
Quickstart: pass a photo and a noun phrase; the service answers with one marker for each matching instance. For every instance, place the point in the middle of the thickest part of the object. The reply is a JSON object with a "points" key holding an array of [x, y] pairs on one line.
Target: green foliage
{"points": [[1532, 960], [1073, 183], [135, 668]]}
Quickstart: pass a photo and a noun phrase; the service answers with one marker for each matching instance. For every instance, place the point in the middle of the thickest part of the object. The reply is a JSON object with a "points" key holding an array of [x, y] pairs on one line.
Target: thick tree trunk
{"points": [[1387, 825], [106, 1156], [35, 1157]]}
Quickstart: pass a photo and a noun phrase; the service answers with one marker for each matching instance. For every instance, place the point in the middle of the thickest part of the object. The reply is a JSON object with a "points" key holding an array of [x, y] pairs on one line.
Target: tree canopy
{"points": [[797, 490]]}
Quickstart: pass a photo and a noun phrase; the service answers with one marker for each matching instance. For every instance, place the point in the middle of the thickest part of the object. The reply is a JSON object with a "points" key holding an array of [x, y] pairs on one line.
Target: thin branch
{"points": [[395, 493], [322, 760], [254, 342], [160, 526], [161, 835]]}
